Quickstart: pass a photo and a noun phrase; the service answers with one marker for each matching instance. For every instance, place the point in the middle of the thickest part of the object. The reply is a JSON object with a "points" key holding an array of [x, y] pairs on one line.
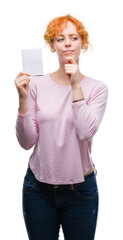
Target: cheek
{"points": [[57, 46], [78, 51], [58, 50]]}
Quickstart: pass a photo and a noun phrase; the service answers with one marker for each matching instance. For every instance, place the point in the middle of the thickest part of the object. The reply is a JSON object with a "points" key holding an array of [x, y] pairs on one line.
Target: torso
{"points": [[55, 78]]}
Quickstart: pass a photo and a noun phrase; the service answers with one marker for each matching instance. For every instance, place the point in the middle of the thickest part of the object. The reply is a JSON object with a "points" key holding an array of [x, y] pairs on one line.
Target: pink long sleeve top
{"points": [[61, 131]]}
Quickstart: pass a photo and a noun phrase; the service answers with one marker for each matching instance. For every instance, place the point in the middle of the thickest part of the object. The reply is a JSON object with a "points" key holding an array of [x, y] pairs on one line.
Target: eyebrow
{"points": [[69, 34]]}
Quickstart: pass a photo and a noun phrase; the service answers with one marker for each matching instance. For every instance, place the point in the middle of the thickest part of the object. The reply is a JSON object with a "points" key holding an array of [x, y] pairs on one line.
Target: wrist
{"points": [[23, 106], [22, 100], [77, 92], [76, 86], [23, 110]]}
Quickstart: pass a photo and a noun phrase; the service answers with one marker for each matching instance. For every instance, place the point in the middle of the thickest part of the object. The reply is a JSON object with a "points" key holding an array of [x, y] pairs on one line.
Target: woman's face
{"points": [[67, 43]]}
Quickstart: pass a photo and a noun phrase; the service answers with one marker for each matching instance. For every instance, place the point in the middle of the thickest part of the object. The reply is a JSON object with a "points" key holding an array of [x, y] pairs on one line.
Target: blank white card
{"points": [[32, 61]]}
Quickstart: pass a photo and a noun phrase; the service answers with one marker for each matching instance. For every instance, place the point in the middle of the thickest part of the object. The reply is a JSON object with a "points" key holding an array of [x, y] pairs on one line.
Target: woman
{"points": [[60, 113]]}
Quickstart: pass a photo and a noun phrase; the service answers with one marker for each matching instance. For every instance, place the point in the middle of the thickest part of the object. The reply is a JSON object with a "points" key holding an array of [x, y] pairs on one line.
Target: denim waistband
{"points": [[87, 178]]}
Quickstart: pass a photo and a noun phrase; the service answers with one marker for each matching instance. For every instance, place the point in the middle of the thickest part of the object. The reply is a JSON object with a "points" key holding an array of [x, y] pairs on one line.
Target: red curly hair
{"points": [[57, 24]]}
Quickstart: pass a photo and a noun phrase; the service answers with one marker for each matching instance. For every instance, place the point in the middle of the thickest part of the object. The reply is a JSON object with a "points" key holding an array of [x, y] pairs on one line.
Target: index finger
{"points": [[70, 60], [24, 73]]}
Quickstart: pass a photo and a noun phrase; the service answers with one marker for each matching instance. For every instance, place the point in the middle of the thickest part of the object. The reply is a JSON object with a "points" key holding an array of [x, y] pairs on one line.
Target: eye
{"points": [[74, 38], [60, 39]]}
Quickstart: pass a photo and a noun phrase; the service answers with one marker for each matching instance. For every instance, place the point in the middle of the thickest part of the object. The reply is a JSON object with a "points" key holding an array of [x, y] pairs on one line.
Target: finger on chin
{"points": [[70, 60]]}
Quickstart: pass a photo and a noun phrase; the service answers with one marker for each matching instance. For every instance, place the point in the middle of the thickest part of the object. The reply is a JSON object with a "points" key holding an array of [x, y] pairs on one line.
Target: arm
{"points": [[87, 117], [26, 125], [23, 106]]}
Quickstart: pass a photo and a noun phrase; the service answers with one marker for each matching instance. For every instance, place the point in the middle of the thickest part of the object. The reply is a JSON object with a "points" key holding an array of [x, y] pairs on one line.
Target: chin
{"points": [[62, 60]]}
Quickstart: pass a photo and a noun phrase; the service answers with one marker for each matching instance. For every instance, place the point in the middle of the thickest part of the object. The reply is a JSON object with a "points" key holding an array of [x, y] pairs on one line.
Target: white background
{"points": [[22, 25]]}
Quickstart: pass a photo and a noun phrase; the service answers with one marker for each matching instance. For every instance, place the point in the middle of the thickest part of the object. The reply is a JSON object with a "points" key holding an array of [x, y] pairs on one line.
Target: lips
{"points": [[68, 51]]}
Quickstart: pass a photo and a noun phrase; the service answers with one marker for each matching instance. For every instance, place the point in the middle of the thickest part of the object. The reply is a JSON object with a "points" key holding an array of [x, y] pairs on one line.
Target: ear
{"points": [[83, 45], [52, 48]]}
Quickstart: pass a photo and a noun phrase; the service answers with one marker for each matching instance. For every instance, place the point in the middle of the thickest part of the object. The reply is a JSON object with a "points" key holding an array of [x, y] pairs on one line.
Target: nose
{"points": [[67, 42]]}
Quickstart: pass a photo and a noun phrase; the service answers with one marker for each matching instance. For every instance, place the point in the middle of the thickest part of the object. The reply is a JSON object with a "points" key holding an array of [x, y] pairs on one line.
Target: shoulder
{"points": [[94, 89], [95, 84]]}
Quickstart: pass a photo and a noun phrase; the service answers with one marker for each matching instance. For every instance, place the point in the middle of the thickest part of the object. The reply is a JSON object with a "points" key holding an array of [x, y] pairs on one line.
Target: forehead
{"points": [[70, 28]]}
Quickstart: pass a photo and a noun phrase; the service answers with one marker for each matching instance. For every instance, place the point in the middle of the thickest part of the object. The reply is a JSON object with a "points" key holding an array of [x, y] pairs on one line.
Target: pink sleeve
{"points": [[88, 116], [26, 125]]}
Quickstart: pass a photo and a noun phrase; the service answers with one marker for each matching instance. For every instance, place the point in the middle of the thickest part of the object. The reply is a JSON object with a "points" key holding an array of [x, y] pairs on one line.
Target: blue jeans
{"points": [[46, 207]]}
